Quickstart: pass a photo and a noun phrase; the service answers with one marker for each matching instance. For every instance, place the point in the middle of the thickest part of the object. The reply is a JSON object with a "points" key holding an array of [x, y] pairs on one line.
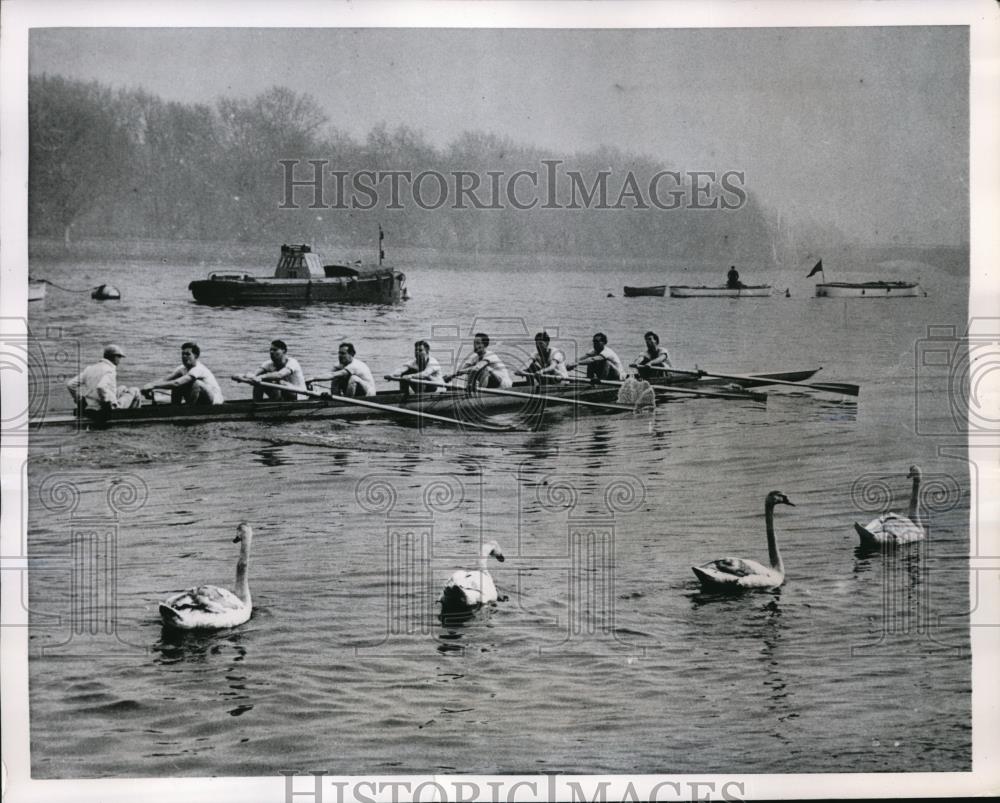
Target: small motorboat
{"points": [[654, 290], [722, 291], [877, 289]]}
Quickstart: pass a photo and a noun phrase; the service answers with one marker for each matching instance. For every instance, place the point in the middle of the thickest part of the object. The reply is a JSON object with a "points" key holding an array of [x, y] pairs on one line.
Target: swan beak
{"points": [[789, 502], [237, 539], [498, 557]]}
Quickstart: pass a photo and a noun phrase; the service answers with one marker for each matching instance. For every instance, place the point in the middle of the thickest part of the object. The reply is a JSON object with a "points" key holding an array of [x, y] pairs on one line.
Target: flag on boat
{"points": [[818, 268]]}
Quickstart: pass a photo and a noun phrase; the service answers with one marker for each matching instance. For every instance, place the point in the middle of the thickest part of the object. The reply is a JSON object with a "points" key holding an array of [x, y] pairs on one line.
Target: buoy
{"points": [[106, 292], [787, 294]]}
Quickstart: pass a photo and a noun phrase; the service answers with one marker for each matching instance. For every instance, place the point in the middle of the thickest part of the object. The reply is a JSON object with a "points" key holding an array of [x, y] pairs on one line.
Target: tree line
{"points": [[125, 163]]}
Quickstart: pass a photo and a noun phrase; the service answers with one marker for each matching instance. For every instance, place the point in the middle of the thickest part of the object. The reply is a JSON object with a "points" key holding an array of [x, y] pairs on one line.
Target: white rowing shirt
{"points": [[361, 372], [203, 375], [291, 373], [493, 365], [431, 372]]}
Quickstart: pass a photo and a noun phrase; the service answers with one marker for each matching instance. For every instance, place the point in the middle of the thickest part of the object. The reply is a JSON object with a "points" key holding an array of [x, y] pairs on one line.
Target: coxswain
{"points": [[279, 370], [602, 363], [733, 279], [96, 386], [422, 367], [483, 367], [352, 378], [191, 382]]}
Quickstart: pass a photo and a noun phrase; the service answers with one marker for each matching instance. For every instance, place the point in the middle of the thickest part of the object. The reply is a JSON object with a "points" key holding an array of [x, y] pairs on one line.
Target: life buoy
{"points": [[106, 292]]}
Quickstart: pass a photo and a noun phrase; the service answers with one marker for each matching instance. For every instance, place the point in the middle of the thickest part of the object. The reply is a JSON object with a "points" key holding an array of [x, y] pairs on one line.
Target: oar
{"points": [[516, 394], [830, 387], [711, 394], [388, 408]]}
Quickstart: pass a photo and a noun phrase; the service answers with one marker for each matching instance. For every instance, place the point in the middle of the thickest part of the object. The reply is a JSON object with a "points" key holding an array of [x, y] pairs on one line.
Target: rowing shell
{"points": [[688, 378], [470, 407]]}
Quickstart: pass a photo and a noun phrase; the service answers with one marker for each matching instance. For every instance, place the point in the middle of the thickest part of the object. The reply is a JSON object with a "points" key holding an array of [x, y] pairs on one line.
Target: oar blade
{"points": [[389, 408], [836, 387]]}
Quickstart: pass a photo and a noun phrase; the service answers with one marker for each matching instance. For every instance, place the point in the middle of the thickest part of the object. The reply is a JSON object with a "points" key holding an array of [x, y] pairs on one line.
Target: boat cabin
{"points": [[299, 262]]}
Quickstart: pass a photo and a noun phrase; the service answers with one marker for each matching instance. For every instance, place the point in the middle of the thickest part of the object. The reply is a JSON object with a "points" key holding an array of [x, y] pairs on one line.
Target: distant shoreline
{"points": [[951, 258]]}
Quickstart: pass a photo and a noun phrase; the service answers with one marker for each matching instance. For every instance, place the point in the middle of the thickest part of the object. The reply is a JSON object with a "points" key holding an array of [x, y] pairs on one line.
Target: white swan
{"points": [[737, 573], [892, 528], [210, 607], [467, 591]]}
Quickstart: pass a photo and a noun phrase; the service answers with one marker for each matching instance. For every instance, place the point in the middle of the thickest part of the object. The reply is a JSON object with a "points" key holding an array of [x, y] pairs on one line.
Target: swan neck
{"points": [[914, 512], [242, 573], [772, 544]]}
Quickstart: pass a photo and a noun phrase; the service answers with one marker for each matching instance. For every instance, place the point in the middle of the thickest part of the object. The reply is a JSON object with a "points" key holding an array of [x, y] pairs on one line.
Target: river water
{"points": [[605, 657]]}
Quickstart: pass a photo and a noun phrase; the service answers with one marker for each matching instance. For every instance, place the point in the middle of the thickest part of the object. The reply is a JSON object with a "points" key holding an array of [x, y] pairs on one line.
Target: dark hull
{"points": [[758, 380], [474, 408], [656, 290], [386, 289]]}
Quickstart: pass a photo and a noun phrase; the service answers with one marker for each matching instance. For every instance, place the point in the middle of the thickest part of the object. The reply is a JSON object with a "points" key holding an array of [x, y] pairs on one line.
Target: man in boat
{"points": [[483, 367], [548, 365], [353, 378], [279, 370], [191, 382], [96, 386], [733, 279], [653, 357], [423, 367], [602, 363]]}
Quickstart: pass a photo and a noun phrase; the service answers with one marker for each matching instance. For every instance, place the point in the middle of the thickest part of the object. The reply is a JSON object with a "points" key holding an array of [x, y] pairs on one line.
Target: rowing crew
{"points": [[96, 387], [192, 382]]}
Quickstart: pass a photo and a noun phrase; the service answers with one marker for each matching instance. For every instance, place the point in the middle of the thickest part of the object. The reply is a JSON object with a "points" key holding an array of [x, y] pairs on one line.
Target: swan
{"points": [[892, 528], [210, 607], [737, 573], [468, 590]]}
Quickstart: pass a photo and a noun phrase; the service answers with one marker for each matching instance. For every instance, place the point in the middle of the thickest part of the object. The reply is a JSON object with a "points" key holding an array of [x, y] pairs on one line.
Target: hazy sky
{"points": [[866, 128]]}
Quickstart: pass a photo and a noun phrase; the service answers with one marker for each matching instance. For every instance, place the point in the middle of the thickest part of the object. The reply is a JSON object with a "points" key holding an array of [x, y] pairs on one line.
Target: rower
{"points": [[483, 367], [96, 386], [733, 279], [423, 367], [653, 357], [602, 363], [190, 382], [353, 378], [279, 370], [548, 365]]}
